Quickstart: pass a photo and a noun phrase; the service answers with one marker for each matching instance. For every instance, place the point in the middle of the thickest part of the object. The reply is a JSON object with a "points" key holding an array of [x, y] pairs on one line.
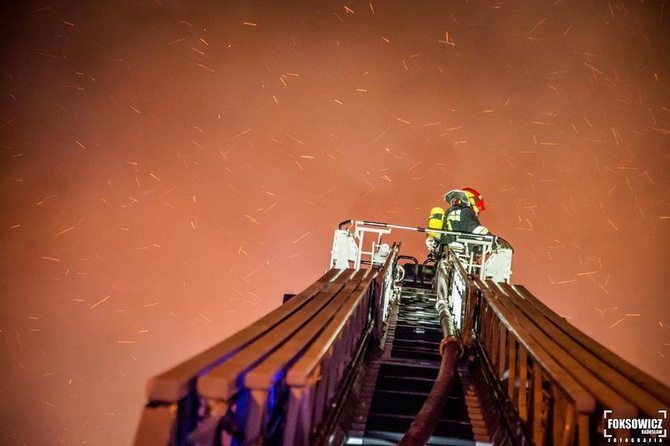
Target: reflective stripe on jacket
{"points": [[463, 219]]}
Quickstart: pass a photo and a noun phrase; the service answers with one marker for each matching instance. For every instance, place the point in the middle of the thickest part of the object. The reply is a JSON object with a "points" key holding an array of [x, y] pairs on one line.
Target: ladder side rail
{"points": [[527, 375], [267, 380], [173, 384], [455, 286], [386, 282], [383, 292], [508, 416], [539, 374], [533, 380], [175, 389], [324, 367], [621, 384], [225, 384], [640, 379]]}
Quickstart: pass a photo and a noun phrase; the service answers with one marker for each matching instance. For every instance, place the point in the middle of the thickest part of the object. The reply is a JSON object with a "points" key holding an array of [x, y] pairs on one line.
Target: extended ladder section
{"points": [[410, 353], [280, 379], [551, 383], [401, 375]]}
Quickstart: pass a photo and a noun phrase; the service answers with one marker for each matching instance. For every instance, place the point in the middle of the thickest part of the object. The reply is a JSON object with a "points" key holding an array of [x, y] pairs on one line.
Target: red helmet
{"points": [[476, 199]]}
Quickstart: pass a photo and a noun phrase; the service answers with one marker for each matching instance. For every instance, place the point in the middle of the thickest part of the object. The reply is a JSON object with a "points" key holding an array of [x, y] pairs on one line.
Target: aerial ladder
{"points": [[384, 349]]}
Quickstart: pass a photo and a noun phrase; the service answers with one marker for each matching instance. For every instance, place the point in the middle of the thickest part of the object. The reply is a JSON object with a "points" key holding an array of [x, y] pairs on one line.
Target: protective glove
{"points": [[502, 243], [432, 243]]}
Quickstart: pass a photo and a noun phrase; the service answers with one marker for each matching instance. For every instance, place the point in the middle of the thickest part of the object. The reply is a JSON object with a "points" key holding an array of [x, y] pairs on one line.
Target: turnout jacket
{"points": [[462, 219]]}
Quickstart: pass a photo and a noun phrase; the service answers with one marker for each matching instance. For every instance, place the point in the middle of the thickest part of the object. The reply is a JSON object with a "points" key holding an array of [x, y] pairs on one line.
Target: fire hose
{"points": [[451, 350]]}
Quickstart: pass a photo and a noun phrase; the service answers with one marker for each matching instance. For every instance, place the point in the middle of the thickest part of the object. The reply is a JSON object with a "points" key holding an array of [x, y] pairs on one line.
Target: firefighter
{"points": [[462, 214]]}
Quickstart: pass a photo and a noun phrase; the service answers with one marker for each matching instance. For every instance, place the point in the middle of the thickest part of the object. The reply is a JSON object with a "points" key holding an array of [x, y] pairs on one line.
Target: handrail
{"points": [[552, 383], [518, 351], [173, 384], [589, 364], [384, 293], [299, 357], [272, 371], [338, 340], [173, 402], [223, 381], [510, 349], [224, 386], [482, 249], [638, 379]]}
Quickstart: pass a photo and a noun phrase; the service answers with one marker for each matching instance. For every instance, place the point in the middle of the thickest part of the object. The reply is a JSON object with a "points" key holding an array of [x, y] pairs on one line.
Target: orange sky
{"points": [[170, 169]]}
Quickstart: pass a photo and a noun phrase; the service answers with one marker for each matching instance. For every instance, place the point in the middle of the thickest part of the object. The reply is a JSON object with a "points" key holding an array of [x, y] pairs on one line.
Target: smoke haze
{"points": [[171, 168]]}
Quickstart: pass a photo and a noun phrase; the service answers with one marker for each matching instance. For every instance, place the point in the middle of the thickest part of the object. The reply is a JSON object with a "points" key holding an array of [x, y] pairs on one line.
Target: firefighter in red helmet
{"points": [[462, 215], [476, 200]]}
